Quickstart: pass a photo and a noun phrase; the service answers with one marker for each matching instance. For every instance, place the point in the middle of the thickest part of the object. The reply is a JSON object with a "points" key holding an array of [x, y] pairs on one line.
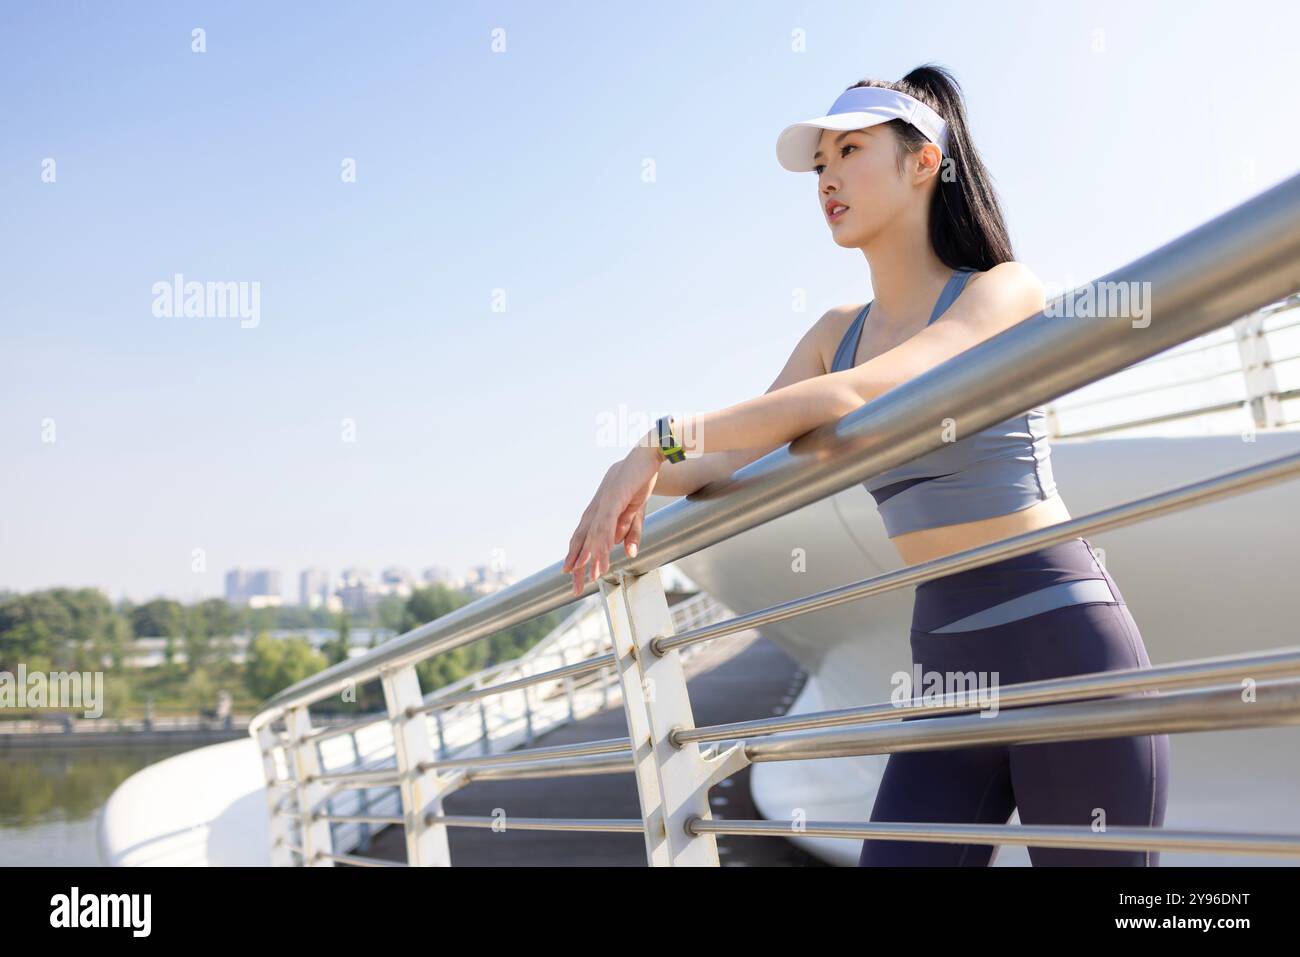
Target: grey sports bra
{"points": [[1004, 468]]}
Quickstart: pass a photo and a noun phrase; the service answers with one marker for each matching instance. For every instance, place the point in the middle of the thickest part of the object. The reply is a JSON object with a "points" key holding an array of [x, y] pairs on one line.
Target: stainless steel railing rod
{"points": [[630, 825], [1238, 262], [1113, 838], [526, 755], [1150, 506], [1202, 672], [1274, 703]]}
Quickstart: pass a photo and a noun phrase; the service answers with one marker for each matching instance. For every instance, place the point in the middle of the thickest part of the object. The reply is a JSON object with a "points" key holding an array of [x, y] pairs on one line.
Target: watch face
{"points": [[665, 435]]}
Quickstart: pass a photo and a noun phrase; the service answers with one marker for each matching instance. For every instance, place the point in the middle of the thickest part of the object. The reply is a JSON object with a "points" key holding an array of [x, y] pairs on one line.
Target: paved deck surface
{"points": [[739, 678]]}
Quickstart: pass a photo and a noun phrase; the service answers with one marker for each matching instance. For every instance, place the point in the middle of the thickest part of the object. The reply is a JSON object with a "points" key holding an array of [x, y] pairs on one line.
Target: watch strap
{"points": [[668, 444]]}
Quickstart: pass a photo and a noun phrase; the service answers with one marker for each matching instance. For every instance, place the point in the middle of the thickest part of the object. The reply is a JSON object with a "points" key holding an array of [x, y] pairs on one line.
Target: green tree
{"points": [[390, 615], [68, 626], [222, 623], [275, 664], [222, 620], [196, 637], [428, 604], [200, 692], [110, 649], [337, 650], [157, 619]]}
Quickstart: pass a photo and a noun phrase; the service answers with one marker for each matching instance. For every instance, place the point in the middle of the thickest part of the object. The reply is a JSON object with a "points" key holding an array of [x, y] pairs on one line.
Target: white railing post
{"points": [[280, 832], [672, 784], [443, 753], [421, 790], [528, 712], [485, 742], [1258, 369], [305, 767], [568, 686]]}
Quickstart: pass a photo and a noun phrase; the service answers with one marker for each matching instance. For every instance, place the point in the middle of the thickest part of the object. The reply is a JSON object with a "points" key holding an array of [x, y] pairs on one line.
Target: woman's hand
{"points": [[616, 514]]}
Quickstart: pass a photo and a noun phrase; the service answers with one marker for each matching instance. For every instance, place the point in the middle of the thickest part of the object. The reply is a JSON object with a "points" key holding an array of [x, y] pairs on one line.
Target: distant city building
{"points": [[257, 589], [485, 579], [395, 576], [436, 575], [354, 597], [314, 588], [354, 590], [395, 582], [266, 582]]}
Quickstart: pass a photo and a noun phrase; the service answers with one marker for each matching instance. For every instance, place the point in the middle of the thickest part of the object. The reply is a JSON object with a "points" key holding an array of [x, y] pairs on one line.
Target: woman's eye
{"points": [[847, 146]]}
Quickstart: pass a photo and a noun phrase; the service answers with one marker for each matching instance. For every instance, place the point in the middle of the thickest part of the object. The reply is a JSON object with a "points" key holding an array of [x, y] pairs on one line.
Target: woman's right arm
{"points": [[685, 477], [807, 360]]}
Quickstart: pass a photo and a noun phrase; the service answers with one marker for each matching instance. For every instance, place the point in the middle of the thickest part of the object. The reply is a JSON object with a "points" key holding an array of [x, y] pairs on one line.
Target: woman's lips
{"points": [[837, 215]]}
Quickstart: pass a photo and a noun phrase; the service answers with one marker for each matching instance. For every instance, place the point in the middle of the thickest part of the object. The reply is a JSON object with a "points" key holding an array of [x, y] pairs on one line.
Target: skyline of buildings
{"points": [[259, 588], [355, 588]]}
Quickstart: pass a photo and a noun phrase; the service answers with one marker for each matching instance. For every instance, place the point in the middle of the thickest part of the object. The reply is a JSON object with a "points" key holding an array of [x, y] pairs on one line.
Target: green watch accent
{"points": [[668, 444]]}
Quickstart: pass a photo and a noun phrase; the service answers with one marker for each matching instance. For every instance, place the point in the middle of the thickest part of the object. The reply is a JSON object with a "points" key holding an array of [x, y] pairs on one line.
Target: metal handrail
{"points": [[1276, 702], [1277, 663], [1241, 366], [625, 825], [1140, 509], [1148, 390], [1220, 670], [1154, 419], [553, 674], [1239, 262], [1038, 835]]}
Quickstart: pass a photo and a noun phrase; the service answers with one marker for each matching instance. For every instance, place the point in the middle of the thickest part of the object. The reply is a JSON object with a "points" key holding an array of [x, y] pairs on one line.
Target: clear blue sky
{"points": [[521, 171]]}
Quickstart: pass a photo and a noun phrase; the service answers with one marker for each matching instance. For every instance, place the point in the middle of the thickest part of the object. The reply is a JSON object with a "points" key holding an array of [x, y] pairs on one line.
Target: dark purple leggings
{"points": [[1050, 783]]}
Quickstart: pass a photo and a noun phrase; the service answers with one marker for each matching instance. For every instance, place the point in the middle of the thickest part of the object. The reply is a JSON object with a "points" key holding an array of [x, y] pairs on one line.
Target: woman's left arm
{"points": [[991, 302]]}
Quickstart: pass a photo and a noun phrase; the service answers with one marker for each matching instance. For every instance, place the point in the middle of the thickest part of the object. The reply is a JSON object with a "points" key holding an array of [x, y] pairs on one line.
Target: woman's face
{"points": [[858, 169]]}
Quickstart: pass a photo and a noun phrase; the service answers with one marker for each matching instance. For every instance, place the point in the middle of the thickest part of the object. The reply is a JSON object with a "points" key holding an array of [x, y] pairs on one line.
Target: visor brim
{"points": [[797, 142]]}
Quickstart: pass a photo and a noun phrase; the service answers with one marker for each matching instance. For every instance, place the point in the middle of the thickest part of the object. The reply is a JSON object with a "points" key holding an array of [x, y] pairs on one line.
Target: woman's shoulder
{"points": [[1010, 276], [830, 330], [1011, 286]]}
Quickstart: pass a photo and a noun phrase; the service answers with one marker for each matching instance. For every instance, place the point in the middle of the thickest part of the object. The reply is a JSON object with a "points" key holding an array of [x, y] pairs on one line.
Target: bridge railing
{"points": [[1245, 260], [1242, 377]]}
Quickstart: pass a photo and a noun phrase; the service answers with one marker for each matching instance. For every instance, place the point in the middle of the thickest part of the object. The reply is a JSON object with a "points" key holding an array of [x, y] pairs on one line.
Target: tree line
{"points": [[80, 629]]}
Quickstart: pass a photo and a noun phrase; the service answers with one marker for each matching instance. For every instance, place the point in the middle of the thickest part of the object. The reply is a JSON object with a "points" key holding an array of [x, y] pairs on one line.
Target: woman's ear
{"points": [[928, 161]]}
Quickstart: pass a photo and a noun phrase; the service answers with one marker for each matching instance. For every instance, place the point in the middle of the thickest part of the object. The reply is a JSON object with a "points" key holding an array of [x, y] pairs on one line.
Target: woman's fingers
{"points": [[579, 571], [633, 541], [624, 525], [589, 551], [594, 545], [580, 533], [629, 529], [602, 543], [597, 550], [576, 542]]}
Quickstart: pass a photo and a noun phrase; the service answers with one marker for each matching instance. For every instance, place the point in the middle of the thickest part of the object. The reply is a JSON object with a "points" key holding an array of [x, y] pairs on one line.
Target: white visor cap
{"points": [[856, 109]]}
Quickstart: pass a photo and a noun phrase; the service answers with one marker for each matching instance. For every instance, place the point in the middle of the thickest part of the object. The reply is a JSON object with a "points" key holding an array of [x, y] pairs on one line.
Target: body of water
{"points": [[50, 800]]}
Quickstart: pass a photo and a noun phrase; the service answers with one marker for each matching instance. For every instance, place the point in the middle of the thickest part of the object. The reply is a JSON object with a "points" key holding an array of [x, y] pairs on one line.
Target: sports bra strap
{"points": [[951, 290]]}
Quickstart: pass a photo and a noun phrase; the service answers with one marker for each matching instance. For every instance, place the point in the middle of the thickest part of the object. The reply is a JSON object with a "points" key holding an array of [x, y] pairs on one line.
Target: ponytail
{"points": [[967, 228]]}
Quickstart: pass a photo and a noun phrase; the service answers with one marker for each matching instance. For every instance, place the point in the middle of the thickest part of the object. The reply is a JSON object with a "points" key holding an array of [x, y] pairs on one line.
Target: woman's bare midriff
{"points": [[930, 543]]}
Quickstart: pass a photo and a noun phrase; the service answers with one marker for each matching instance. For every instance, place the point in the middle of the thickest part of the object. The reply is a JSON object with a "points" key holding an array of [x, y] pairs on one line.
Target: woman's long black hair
{"points": [[966, 224]]}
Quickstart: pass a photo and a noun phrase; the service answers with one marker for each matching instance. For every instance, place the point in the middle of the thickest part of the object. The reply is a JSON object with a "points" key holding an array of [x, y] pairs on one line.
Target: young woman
{"points": [[898, 178]]}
